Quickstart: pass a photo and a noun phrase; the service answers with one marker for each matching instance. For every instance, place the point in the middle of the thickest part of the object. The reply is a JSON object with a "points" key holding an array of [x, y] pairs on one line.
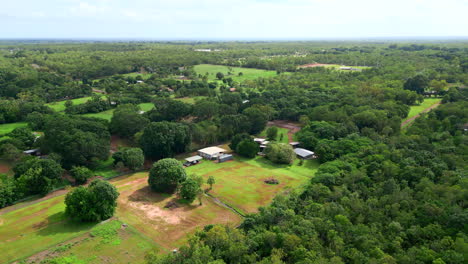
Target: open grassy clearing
{"points": [[38, 227], [7, 128], [240, 183], [248, 73], [334, 66], [144, 210], [417, 109], [281, 131], [109, 242], [60, 106]]}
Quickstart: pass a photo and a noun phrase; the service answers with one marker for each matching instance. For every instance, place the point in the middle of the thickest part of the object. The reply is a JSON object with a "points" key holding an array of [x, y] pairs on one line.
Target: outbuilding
{"points": [[34, 152], [211, 153], [225, 157], [294, 144], [192, 160], [304, 153]]}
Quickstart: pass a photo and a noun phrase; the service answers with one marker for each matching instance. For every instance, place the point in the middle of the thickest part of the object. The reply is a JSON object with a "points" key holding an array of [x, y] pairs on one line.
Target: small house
{"points": [[192, 160], [259, 140], [211, 153], [294, 144], [304, 153], [34, 152], [225, 157]]}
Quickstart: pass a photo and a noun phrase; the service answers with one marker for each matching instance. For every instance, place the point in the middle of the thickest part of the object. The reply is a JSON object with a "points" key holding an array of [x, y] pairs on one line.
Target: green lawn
{"points": [[417, 109], [281, 131], [106, 169], [60, 106], [7, 128], [109, 241], [109, 113], [248, 73], [240, 183]]}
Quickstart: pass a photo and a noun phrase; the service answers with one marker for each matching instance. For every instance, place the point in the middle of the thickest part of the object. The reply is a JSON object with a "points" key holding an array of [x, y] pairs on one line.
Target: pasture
{"points": [[247, 73], [240, 183], [41, 225], [416, 110], [60, 105], [334, 66], [7, 128]]}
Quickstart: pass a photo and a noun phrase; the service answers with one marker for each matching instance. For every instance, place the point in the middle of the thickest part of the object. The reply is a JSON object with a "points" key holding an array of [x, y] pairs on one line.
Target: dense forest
{"points": [[382, 193]]}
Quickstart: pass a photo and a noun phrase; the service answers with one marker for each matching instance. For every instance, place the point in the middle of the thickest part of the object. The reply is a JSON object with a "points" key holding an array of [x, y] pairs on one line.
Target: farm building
{"points": [[259, 140], [294, 144], [225, 157], [304, 153], [211, 152], [192, 160], [35, 152]]}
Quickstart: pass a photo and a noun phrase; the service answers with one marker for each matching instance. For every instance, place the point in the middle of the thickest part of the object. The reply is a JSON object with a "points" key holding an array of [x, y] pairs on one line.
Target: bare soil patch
{"points": [[292, 127]]}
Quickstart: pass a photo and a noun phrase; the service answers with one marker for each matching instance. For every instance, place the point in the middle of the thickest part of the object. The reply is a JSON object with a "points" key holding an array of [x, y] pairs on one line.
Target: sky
{"points": [[232, 19]]}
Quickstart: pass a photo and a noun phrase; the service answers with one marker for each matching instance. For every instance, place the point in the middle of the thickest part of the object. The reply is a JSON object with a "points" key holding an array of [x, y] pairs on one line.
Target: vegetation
{"points": [[131, 158], [94, 203], [166, 175], [280, 153], [81, 174]]}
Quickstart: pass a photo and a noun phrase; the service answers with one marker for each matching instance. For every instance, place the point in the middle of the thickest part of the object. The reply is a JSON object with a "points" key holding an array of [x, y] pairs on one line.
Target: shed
{"points": [[259, 140], [225, 157], [304, 153], [211, 152], [294, 144], [32, 152], [192, 160]]}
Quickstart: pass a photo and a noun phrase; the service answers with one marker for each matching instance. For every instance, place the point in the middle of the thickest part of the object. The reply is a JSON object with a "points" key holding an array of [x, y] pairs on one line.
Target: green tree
{"points": [[417, 83], [272, 133], [257, 119], [164, 139], [280, 153], [166, 175], [38, 175], [211, 180], [237, 139], [94, 203], [190, 188], [126, 121], [80, 174], [248, 148], [219, 75], [131, 158]]}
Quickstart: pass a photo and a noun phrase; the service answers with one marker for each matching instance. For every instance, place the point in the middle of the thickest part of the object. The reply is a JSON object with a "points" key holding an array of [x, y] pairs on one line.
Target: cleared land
{"points": [[417, 110], [281, 131], [7, 128], [41, 225], [333, 66], [60, 106], [240, 183], [247, 73]]}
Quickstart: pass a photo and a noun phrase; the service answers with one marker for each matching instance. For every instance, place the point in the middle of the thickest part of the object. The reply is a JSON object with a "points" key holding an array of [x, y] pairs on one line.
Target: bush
{"points": [[131, 158], [166, 175], [248, 148], [280, 153], [272, 133], [92, 204], [189, 189], [81, 174]]}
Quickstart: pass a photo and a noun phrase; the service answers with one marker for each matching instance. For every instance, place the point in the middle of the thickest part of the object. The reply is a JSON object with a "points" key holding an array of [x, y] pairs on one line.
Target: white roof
{"points": [[194, 158], [303, 152], [212, 150], [259, 139]]}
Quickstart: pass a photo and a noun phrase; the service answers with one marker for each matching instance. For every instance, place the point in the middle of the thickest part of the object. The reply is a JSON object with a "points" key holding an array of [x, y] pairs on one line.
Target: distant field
{"points": [[42, 226], [418, 109], [7, 128], [248, 73], [109, 113], [60, 106], [334, 66], [240, 183]]}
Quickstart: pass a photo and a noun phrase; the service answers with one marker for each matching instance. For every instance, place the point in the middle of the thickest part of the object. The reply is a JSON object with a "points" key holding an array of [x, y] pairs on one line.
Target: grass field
{"points": [[240, 183], [41, 226], [417, 109], [281, 131], [109, 242], [7, 128], [109, 113], [60, 106], [248, 73]]}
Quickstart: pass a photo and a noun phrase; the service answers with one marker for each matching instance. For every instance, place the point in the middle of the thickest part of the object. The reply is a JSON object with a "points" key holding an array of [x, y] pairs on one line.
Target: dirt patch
{"points": [[4, 167], [312, 65]]}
